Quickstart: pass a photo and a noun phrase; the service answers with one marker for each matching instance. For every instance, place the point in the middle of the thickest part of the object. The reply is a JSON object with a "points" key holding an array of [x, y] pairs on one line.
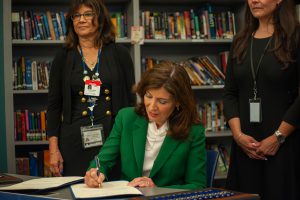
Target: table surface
{"points": [[65, 193]]}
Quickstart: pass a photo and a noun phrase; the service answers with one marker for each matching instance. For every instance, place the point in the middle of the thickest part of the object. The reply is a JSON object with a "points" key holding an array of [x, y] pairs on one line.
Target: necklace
{"points": [[90, 64]]}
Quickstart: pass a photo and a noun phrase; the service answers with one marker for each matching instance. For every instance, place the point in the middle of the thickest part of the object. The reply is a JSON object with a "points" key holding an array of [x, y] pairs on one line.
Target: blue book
{"points": [[33, 163], [55, 25], [63, 22], [23, 37], [36, 26], [212, 22], [28, 77], [46, 26]]}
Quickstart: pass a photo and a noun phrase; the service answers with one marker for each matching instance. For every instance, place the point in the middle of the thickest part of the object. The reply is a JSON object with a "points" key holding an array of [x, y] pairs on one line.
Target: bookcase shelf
{"points": [[55, 42], [28, 143], [188, 41], [219, 134], [208, 87], [30, 91], [174, 49]]}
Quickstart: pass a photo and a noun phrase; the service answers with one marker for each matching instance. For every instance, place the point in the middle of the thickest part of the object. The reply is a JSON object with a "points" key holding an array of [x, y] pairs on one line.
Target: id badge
{"points": [[92, 136], [255, 110], [92, 87]]}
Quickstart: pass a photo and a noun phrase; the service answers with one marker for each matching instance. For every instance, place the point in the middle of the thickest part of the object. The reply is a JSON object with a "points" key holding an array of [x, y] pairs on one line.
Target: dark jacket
{"points": [[59, 96]]}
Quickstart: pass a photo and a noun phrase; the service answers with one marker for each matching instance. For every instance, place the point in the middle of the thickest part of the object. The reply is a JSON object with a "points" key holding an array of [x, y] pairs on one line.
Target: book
{"points": [[108, 189], [15, 24]]}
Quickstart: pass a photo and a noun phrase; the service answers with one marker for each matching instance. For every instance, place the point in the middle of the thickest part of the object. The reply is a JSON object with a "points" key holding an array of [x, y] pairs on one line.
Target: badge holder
{"points": [[255, 110], [92, 136]]}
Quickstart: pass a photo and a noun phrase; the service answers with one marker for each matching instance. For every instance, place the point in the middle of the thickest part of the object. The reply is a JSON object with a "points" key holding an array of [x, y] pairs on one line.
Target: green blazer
{"points": [[179, 164]]}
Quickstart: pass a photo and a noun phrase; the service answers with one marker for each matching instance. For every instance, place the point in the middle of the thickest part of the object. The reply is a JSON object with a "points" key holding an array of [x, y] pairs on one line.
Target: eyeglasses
{"points": [[86, 16]]}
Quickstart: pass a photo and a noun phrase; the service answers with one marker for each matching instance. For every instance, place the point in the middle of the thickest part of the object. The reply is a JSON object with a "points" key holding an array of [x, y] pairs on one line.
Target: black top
{"points": [[115, 61], [278, 88], [65, 105]]}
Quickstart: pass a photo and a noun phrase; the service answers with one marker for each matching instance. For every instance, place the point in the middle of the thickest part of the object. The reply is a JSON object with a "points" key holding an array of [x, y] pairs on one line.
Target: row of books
{"points": [[201, 70], [29, 25], [202, 24], [36, 164], [120, 22], [30, 74], [212, 117], [223, 159], [30, 125]]}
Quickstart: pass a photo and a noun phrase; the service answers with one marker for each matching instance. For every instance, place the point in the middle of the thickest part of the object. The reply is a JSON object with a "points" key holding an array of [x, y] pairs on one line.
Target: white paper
{"points": [[113, 188], [42, 183]]}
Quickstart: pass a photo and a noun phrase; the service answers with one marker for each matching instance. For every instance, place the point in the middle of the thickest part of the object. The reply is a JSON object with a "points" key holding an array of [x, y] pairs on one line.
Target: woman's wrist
{"points": [[238, 136], [53, 152]]}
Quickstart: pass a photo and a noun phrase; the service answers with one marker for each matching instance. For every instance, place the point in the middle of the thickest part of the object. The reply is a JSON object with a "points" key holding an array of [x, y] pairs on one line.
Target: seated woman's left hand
{"points": [[269, 146], [142, 182]]}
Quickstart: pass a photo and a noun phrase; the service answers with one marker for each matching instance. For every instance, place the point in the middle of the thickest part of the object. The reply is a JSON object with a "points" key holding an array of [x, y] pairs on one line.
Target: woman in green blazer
{"points": [[160, 142]]}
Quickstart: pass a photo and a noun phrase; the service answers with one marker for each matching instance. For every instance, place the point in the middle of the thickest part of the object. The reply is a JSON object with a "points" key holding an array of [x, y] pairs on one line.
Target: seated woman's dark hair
{"points": [[176, 81]]}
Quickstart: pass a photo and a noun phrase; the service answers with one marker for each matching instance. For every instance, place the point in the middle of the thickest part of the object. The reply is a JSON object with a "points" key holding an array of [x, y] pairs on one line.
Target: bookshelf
{"points": [[173, 49]]}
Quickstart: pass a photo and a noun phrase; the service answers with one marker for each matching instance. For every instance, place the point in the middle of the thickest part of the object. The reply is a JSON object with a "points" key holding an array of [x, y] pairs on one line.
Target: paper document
{"points": [[108, 189], [43, 183]]}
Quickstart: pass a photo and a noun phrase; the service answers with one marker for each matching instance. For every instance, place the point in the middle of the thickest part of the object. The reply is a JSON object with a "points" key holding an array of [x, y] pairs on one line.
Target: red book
{"points": [[23, 127]]}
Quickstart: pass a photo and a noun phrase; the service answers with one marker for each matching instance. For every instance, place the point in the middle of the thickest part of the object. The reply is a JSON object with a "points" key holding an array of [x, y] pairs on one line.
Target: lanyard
{"points": [[91, 100], [84, 65], [254, 73]]}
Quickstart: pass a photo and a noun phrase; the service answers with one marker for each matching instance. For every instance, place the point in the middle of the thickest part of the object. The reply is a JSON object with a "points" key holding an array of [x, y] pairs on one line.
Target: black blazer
{"points": [[59, 96]]}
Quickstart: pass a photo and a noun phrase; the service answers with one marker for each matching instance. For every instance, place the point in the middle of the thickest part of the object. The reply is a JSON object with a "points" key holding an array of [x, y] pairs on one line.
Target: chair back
{"points": [[211, 166]]}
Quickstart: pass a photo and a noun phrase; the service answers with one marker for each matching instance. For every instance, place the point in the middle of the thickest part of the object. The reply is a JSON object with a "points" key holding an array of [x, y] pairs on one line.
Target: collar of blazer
{"points": [[139, 141]]}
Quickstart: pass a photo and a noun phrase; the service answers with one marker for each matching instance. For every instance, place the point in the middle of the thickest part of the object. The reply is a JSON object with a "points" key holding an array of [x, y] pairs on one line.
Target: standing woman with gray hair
{"points": [[90, 80]]}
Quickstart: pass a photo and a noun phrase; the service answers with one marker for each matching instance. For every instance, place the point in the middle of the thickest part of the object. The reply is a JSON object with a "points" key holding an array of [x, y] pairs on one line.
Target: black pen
{"points": [[98, 167]]}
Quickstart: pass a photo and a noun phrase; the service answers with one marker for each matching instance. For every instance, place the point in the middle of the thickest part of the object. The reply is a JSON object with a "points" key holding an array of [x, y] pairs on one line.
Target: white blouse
{"points": [[155, 138]]}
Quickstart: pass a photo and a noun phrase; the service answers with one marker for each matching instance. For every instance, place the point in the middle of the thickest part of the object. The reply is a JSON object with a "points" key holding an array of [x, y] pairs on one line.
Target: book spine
{"points": [[15, 20], [33, 164], [55, 25], [22, 27], [46, 25], [36, 25], [60, 31], [63, 22], [41, 28], [28, 77], [34, 75], [50, 23]]}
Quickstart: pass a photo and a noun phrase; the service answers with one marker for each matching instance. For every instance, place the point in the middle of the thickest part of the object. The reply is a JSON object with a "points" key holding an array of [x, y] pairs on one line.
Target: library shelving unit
{"points": [[160, 49], [36, 100]]}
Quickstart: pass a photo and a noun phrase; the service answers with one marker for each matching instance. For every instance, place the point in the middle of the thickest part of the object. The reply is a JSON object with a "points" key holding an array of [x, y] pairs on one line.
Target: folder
{"points": [[40, 185], [8, 179]]}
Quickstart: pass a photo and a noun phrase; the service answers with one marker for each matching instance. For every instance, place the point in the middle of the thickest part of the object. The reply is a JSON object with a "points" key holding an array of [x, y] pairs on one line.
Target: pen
{"points": [[98, 167]]}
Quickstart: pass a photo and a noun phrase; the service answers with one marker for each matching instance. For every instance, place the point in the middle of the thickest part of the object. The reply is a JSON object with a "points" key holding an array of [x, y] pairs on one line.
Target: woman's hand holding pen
{"points": [[142, 182], [56, 163], [91, 179], [249, 146]]}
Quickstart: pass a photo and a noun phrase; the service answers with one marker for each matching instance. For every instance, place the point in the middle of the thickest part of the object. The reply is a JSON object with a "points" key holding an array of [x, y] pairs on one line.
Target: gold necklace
{"points": [[90, 63]]}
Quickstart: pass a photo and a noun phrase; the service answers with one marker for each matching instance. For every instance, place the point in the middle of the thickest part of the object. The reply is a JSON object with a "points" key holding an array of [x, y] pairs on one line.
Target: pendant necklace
{"points": [[95, 76]]}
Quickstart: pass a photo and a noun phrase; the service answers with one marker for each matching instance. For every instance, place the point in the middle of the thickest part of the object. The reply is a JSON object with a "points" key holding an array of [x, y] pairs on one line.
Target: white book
{"points": [[34, 75]]}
